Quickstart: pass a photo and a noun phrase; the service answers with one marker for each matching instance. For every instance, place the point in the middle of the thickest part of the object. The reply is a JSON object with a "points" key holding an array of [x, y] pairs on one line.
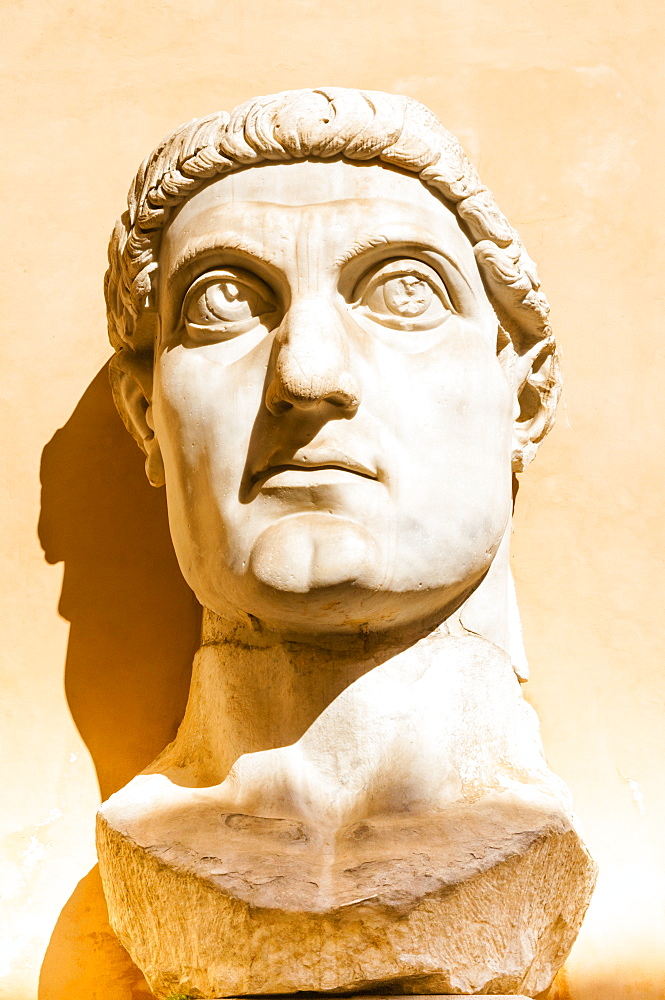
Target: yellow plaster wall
{"points": [[561, 107]]}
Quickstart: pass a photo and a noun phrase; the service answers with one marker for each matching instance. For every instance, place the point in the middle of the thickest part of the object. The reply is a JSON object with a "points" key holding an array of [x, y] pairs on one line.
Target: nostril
{"points": [[288, 390], [280, 406], [276, 403], [343, 400]]}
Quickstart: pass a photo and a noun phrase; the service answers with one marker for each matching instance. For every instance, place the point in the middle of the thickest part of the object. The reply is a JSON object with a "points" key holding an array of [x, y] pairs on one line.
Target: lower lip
{"points": [[312, 478]]}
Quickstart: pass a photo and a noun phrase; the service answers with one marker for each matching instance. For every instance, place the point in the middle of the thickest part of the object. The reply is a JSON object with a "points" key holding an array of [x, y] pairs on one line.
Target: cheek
{"points": [[203, 419], [450, 404], [451, 473], [204, 411], [470, 434]]}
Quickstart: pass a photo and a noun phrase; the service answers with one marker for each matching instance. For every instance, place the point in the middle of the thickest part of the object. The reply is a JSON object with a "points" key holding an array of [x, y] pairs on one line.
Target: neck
{"points": [[254, 690]]}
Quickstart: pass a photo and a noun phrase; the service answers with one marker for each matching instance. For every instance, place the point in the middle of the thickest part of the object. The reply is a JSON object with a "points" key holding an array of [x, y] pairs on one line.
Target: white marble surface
{"points": [[349, 364]]}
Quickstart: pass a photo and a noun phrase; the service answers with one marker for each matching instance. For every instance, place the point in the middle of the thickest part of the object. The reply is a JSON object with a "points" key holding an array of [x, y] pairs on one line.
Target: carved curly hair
{"points": [[319, 124]]}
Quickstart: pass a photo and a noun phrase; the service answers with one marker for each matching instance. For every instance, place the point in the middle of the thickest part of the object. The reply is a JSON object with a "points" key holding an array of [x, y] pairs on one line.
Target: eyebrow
{"points": [[359, 247], [218, 241]]}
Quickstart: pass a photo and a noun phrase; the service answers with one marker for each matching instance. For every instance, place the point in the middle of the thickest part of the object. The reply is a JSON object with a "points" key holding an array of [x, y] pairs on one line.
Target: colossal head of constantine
{"points": [[332, 347]]}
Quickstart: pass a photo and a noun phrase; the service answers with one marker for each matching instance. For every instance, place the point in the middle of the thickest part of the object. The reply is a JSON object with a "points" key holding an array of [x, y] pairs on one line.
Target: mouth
{"points": [[316, 464]]}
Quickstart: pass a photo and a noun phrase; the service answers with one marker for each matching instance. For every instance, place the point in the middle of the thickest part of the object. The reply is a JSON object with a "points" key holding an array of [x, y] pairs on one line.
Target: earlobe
{"points": [[131, 383], [532, 422], [154, 463]]}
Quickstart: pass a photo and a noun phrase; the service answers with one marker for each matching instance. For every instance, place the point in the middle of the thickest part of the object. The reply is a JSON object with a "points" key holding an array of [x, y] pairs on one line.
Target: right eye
{"points": [[406, 295], [224, 303]]}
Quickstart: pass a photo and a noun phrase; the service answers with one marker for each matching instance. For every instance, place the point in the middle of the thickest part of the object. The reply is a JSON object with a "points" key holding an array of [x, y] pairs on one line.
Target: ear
{"points": [[535, 377], [525, 345], [131, 383]]}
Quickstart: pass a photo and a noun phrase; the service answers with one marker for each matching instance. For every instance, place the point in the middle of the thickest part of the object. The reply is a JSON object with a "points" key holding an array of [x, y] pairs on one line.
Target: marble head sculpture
{"points": [[332, 347]]}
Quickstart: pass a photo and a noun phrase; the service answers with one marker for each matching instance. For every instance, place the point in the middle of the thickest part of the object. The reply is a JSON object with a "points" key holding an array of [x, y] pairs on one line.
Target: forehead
{"points": [[315, 182], [349, 199]]}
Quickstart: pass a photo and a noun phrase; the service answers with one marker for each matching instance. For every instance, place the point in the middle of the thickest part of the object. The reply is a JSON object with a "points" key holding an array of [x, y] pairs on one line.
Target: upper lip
{"points": [[313, 460]]}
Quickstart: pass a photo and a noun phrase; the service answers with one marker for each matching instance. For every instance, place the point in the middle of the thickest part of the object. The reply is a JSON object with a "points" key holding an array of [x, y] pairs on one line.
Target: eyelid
{"points": [[397, 266], [203, 261], [219, 328], [238, 275]]}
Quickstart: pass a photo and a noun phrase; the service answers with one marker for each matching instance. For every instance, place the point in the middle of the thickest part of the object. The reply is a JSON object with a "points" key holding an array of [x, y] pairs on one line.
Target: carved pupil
{"points": [[227, 300], [407, 295]]}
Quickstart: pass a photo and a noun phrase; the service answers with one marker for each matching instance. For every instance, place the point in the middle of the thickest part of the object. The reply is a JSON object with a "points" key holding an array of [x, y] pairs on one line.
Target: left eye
{"points": [[225, 303], [405, 295]]}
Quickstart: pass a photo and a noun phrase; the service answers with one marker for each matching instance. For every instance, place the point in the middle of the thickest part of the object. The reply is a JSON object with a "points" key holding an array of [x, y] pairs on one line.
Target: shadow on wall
{"points": [[135, 627]]}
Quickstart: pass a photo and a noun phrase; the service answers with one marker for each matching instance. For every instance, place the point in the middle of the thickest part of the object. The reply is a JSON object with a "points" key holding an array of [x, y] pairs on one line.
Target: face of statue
{"points": [[334, 423]]}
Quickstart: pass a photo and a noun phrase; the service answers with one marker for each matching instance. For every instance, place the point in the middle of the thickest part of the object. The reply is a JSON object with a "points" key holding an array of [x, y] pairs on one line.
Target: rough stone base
{"points": [[474, 901]]}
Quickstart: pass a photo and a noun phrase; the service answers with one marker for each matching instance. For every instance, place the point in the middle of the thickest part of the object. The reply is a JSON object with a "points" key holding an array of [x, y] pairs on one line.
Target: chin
{"points": [[346, 607], [313, 551], [317, 572]]}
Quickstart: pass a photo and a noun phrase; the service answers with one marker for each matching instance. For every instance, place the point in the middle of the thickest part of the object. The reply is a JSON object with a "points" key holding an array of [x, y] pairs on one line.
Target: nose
{"points": [[311, 361]]}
